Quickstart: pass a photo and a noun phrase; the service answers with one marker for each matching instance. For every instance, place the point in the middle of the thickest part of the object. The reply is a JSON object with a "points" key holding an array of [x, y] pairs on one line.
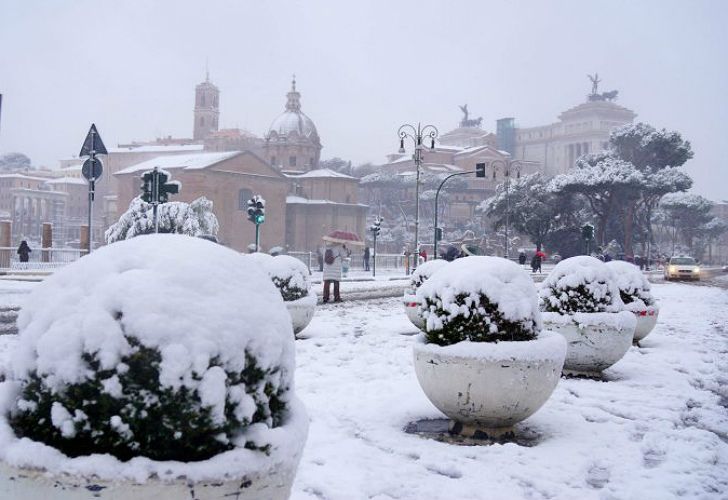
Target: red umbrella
{"points": [[344, 237], [540, 254]]}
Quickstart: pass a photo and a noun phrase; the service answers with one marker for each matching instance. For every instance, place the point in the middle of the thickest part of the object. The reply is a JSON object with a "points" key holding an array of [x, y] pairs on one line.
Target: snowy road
{"points": [[657, 429]]}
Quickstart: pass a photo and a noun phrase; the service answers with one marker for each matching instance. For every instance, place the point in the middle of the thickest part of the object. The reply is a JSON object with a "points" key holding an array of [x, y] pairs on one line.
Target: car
{"points": [[680, 268]]}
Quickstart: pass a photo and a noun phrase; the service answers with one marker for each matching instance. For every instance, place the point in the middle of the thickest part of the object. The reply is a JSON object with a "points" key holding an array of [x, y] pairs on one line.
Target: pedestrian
{"points": [[333, 257], [536, 262], [24, 251], [366, 258], [320, 257], [521, 257], [423, 255], [406, 254]]}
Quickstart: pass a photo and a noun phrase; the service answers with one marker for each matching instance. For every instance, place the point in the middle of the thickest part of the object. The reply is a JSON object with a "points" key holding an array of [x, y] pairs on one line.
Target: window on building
{"points": [[202, 100], [273, 160], [202, 121], [243, 196], [292, 161]]}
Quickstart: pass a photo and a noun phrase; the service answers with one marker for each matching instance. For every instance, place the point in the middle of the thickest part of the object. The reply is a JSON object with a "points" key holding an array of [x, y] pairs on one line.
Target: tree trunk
{"points": [[628, 227]]}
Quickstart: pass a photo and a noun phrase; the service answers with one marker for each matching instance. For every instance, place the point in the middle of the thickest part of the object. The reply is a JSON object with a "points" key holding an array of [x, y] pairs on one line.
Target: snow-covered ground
{"points": [[657, 429]]}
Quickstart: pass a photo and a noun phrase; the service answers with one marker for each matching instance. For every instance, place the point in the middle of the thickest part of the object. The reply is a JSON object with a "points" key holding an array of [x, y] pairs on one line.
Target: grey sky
{"points": [[363, 68]]}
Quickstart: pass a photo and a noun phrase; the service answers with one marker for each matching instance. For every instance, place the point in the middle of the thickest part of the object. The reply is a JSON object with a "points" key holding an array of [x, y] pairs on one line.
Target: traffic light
{"points": [[256, 210], [376, 226], [156, 188], [480, 170], [438, 233], [587, 232]]}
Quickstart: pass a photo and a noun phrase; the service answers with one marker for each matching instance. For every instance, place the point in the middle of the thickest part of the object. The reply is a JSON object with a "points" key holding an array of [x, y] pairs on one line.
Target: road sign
{"points": [[92, 169], [93, 143]]}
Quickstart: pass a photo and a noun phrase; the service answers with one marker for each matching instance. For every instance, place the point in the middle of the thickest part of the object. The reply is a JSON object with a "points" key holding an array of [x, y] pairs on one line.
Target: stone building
{"points": [[580, 130]]}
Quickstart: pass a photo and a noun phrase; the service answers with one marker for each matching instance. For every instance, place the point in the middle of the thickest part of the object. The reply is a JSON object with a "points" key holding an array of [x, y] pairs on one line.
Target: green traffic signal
{"points": [[259, 219]]}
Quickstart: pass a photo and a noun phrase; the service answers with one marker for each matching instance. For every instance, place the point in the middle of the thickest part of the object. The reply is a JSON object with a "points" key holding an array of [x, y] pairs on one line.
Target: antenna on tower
{"points": [[207, 69]]}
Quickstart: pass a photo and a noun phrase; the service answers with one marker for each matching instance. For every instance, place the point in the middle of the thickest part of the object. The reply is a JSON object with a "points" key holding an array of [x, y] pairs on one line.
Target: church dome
{"points": [[293, 122]]}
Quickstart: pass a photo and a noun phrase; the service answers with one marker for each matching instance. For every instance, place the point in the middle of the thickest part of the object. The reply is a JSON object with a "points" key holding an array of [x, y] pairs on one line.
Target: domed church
{"points": [[292, 143]]}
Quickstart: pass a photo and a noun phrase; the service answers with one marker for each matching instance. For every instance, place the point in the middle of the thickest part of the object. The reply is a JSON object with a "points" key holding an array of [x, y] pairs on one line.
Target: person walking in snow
{"points": [[366, 258], [536, 262], [24, 251], [333, 257]]}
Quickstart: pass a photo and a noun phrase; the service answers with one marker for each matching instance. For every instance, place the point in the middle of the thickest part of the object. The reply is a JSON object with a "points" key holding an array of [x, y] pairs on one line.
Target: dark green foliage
{"points": [[164, 423], [484, 323], [575, 299], [289, 292], [629, 296]]}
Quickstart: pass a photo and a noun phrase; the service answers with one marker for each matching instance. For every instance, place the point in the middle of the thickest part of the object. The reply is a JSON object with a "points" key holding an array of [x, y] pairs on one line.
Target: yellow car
{"points": [[682, 268]]}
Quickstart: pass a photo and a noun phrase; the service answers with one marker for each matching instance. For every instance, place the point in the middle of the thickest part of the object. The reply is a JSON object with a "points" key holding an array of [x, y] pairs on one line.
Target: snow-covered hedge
{"points": [[192, 219], [634, 288], [481, 299], [424, 271], [143, 349], [290, 275], [580, 284]]}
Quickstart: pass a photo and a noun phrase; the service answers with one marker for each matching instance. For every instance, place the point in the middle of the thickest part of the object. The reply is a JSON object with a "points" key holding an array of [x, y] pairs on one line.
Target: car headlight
{"points": [[696, 269], [672, 269]]}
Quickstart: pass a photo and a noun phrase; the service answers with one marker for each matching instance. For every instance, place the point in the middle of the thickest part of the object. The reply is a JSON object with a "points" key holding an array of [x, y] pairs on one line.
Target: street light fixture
{"points": [[507, 166], [416, 134]]}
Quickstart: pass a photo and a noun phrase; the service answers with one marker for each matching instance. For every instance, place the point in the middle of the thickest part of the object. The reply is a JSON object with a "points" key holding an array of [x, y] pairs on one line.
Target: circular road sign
{"points": [[92, 169]]}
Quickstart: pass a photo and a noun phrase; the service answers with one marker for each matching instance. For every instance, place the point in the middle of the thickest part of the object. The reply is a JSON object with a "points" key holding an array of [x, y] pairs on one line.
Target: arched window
{"points": [[243, 196], [202, 121], [202, 100]]}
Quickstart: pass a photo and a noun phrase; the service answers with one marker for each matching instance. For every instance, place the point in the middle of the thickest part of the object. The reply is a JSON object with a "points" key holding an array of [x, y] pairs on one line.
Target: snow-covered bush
{"points": [[634, 288], [481, 299], [142, 349], [424, 271], [290, 275], [192, 219], [580, 284]]}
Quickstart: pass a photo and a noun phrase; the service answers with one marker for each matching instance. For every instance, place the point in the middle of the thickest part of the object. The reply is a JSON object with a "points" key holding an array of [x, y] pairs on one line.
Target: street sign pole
{"points": [[155, 198], [92, 170]]}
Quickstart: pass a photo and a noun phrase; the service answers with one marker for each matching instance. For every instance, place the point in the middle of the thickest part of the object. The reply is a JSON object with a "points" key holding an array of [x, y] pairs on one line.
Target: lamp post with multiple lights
{"points": [[417, 134]]}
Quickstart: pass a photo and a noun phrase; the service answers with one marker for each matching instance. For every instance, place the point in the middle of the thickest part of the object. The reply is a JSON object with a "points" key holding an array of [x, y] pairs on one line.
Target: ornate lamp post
{"points": [[507, 166], [417, 134]]}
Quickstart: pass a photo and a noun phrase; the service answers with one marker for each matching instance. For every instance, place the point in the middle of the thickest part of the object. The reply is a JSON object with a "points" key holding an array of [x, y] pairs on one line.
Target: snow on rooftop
{"points": [[66, 180], [305, 201], [322, 172], [191, 162], [157, 149]]}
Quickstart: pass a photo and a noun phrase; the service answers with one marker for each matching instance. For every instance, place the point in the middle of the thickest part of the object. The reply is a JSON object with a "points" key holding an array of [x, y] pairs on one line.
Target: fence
{"points": [[388, 261], [39, 258]]}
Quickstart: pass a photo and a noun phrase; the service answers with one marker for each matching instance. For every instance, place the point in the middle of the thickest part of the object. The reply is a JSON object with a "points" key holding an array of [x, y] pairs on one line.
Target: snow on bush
{"points": [[290, 275], [634, 288], [481, 299], [192, 219], [424, 271], [580, 284], [142, 349]]}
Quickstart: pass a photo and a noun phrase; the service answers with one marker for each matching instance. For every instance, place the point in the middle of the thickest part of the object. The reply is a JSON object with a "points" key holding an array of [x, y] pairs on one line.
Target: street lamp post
{"points": [[437, 197], [416, 134], [507, 165], [674, 231]]}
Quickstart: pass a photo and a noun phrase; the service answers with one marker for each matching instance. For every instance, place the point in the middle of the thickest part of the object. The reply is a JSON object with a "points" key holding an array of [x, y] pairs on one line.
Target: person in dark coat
{"points": [[536, 262], [522, 257], [366, 258], [24, 251]]}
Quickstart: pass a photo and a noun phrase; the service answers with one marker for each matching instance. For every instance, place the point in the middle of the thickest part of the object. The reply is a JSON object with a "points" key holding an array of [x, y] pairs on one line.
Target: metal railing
{"points": [[39, 258], [384, 260]]}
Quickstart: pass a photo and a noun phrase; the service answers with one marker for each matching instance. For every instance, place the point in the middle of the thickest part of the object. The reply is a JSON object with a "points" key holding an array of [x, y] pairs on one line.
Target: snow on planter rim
{"points": [[583, 270], [622, 320], [425, 270], [548, 345], [504, 282], [152, 280]]}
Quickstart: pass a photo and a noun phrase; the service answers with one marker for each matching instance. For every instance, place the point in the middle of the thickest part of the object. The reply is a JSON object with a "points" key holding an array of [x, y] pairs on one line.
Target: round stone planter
{"points": [[302, 311], [241, 474], [646, 321], [410, 307], [595, 341], [488, 387]]}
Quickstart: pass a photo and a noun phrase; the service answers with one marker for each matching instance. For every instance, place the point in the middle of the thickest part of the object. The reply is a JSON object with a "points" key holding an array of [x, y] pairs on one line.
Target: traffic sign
{"points": [[92, 169], [93, 143]]}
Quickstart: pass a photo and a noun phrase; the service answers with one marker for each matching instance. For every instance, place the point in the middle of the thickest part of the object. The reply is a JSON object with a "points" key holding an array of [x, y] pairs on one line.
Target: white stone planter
{"points": [[646, 321], [595, 341], [302, 311], [410, 307], [240, 474], [486, 386]]}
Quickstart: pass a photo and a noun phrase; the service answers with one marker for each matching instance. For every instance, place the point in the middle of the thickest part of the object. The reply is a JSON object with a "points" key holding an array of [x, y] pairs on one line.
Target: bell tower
{"points": [[207, 109]]}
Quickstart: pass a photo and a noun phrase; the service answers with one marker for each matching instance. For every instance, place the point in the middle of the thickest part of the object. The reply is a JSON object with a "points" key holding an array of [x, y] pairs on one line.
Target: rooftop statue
{"points": [[465, 122], [595, 95]]}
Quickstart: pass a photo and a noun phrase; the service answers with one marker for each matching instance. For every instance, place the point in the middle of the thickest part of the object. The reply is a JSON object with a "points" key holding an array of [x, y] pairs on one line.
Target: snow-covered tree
{"points": [[192, 219], [14, 161], [690, 215]]}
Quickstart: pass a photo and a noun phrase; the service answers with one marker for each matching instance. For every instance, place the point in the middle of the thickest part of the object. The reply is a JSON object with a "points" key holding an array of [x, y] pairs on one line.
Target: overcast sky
{"points": [[363, 68]]}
